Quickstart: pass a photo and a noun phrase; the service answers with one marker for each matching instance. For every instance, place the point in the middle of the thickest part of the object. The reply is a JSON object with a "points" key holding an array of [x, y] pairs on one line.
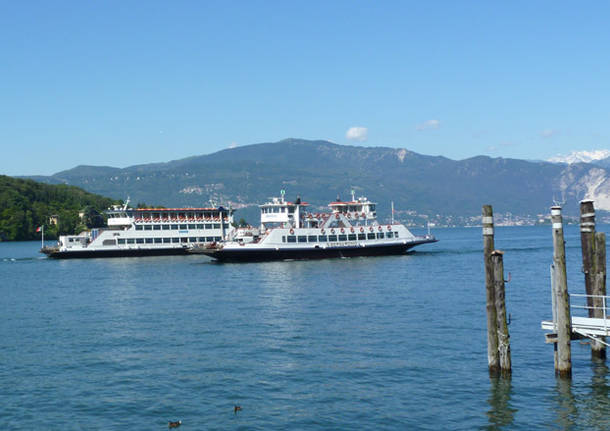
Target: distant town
{"points": [[413, 219]]}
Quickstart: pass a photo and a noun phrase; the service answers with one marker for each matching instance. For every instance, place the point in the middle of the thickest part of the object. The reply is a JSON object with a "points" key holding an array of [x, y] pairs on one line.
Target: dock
{"points": [[593, 328]]}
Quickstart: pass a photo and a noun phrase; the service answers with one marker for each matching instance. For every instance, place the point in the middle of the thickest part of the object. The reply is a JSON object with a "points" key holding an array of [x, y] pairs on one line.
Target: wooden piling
{"points": [[598, 287], [563, 362], [594, 268], [500, 305], [493, 359], [587, 243]]}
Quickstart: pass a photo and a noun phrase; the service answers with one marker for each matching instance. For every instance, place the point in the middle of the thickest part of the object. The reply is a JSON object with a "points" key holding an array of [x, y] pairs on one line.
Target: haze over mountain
{"points": [[319, 171]]}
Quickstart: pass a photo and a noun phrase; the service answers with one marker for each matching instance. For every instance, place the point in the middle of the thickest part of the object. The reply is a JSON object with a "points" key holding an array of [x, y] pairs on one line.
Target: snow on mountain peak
{"points": [[581, 156]]}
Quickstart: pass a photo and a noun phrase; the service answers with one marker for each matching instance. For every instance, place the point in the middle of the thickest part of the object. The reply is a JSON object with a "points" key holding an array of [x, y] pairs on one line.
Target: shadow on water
{"points": [[597, 403], [566, 411], [500, 415], [585, 406]]}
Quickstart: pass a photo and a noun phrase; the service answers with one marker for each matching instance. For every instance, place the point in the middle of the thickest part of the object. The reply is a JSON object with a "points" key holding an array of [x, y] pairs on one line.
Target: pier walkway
{"points": [[583, 326]]}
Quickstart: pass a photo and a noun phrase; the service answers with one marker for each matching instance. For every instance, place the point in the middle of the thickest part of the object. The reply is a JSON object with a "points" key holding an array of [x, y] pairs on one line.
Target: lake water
{"points": [[385, 343]]}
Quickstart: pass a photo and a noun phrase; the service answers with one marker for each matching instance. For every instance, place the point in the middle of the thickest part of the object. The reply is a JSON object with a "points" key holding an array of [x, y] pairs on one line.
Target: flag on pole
{"points": [[39, 228]]}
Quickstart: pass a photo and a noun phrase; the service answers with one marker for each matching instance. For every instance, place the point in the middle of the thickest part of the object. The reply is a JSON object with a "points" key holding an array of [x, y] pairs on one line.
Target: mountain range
{"points": [[321, 171]]}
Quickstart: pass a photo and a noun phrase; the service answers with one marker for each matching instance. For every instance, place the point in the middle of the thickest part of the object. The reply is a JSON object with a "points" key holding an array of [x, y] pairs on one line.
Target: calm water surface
{"points": [[387, 343]]}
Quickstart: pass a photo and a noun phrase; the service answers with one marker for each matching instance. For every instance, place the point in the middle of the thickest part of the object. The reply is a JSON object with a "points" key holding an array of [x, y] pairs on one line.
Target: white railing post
{"points": [[605, 322], [553, 301]]}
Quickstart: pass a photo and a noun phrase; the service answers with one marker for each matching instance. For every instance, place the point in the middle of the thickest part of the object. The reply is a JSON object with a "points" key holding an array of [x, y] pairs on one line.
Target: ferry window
{"points": [[379, 235], [322, 238], [201, 239], [121, 241], [192, 239], [352, 237], [109, 242], [208, 226], [284, 238], [302, 238], [370, 236], [217, 238], [176, 239], [200, 226], [209, 238], [157, 227], [131, 241], [139, 227], [149, 240], [167, 240], [332, 238], [199, 215], [216, 225], [139, 240], [192, 226], [342, 237], [147, 227], [361, 236], [312, 238], [395, 234], [183, 226], [291, 210], [174, 227], [276, 210], [372, 208], [158, 240], [291, 238], [184, 239], [283, 209]]}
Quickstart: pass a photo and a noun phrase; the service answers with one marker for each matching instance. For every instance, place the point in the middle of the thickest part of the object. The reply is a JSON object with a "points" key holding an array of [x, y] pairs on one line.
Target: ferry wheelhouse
{"points": [[288, 231], [147, 232]]}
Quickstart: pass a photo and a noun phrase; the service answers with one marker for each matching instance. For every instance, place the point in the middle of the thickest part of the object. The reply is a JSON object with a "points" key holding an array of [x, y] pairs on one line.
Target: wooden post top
{"points": [[556, 217], [488, 220], [587, 216]]}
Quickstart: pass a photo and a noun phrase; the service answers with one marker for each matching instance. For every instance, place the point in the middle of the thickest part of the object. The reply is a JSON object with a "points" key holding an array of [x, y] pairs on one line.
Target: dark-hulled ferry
{"points": [[147, 232], [287, 231]]}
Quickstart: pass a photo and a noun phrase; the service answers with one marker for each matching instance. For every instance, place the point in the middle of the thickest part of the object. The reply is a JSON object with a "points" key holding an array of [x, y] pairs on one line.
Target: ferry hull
{"points": [[80, 254], [250, 254]]}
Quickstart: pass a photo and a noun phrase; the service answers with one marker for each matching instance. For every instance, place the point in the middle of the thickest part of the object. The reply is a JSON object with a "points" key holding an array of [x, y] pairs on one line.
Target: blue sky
{"points": [[120, 83]]}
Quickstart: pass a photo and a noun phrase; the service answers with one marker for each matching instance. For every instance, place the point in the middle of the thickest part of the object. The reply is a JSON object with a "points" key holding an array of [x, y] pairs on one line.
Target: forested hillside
{"points": [[27, 204], [318, 171]]}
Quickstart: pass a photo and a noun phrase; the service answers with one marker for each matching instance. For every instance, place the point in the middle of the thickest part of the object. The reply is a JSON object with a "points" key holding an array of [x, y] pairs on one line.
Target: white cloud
{"points": [[428, 125], [357, 134], [548, 133]]}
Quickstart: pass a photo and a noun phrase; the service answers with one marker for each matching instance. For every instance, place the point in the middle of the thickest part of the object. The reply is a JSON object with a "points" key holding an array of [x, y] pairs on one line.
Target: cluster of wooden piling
{"points": [[594, 268], [498, 338]]}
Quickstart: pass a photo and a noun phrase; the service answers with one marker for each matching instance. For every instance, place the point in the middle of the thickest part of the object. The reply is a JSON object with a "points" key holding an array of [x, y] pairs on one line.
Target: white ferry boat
{"points": [[287, 231], [147, 232]]}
